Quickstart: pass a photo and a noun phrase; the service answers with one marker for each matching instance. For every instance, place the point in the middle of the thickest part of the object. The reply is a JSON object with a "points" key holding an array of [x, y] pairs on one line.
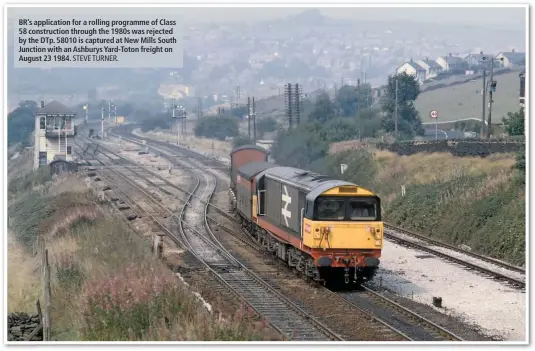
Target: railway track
{"points": [[390, 315], [501, 270], [515, 282], [289, 319], [439, 243]]}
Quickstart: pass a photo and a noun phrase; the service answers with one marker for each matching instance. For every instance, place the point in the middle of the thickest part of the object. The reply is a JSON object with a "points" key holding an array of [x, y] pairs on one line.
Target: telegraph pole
{"points": [[102, 122], [249, 117], [396, 111], [184, 121], [358, 108], [491, 83], [199, 107], [254, 122], [483, 98]]}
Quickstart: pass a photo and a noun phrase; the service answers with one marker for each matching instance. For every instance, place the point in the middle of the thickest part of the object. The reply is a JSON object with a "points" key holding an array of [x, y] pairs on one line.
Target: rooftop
{"points": [[55, 107]]}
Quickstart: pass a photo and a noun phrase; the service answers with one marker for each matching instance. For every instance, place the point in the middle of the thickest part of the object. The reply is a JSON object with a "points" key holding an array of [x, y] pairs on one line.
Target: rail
{"points": [[307, 326], [446, 335]]}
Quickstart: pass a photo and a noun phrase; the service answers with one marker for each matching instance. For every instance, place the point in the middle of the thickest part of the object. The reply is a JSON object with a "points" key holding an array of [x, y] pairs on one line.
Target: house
{"points": [[451, 62], [54, 134], [481, 60], [413, 69], [432, 69], [512, 59]]}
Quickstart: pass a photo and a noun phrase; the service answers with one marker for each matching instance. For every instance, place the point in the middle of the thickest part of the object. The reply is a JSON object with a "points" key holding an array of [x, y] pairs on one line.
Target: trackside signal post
{"points": [[179, 118], [434, 114]]}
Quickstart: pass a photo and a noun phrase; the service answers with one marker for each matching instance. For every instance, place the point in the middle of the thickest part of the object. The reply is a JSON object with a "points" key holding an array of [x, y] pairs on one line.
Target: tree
{"points": [[21, 123], [351, 99], [266, 125], [300, 147], [409, 122], [140, 114], [160, 120], [218, 127], [514, 123], [324, 109]]}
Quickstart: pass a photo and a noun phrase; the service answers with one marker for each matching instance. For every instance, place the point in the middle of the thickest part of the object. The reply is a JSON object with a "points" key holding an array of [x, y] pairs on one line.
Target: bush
{"points": [[514, 123], [217, 127], [161, 121], [300, 147], [19, 185], [266, 125], [361, 168], [21, 123], [493, 221], [241, 140]]}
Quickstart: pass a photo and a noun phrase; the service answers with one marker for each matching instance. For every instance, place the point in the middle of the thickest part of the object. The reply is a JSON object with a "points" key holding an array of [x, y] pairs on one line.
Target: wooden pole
{"points": [[46, 316]]}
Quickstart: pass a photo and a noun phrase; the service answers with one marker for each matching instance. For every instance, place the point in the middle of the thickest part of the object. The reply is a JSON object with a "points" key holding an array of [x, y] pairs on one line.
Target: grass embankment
{"points": [[106, 284], [479, 202]]}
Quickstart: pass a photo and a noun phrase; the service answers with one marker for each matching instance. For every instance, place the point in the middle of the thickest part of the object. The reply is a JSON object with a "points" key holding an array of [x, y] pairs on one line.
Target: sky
{"points": [[500, 17], [513, 18]]}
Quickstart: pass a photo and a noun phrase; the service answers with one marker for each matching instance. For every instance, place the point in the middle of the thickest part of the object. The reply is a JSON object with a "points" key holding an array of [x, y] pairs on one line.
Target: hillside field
{"points": [[464, 100], [479, 202]]}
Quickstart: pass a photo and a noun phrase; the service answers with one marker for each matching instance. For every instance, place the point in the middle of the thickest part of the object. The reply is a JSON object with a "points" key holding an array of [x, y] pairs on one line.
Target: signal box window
{"points": [[69, 150], [330, 209], [42, 123]]}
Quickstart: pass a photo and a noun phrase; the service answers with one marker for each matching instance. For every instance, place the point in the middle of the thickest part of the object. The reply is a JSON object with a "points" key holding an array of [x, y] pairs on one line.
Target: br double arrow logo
{"points": [[287, 201]]}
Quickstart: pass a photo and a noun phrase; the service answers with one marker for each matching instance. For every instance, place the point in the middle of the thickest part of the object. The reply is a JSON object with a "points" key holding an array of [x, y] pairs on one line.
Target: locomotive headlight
{"points": [[378, 234]]}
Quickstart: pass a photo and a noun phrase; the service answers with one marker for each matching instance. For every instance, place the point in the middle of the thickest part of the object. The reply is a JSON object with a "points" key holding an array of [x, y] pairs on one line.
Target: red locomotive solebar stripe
{"points": [[317, 253], [295, 241]]}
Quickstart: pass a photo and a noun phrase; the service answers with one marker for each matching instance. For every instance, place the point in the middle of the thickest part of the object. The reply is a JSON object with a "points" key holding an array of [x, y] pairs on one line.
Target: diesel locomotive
{"points": [[328, 229]]}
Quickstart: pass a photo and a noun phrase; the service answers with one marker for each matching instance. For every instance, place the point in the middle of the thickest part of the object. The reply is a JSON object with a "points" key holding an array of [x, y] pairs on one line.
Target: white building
{"points": [[54, 134]]}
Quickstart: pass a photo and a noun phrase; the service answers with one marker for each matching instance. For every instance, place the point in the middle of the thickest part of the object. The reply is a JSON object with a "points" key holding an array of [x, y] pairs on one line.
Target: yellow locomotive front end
{"points": [[346, 230]]}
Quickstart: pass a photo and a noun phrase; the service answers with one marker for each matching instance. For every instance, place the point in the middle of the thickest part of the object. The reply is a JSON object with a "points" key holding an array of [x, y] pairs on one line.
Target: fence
{"points": [[45, 266], [23, 327]]}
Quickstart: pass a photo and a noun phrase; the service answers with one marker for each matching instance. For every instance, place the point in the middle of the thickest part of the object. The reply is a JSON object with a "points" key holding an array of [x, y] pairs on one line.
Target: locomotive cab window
{"points": [[364, 209], [347, 209], [330, 209]]}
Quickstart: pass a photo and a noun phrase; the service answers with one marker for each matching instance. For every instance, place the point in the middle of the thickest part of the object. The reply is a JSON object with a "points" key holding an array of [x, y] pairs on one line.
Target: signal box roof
{"points": [[55, 107]]}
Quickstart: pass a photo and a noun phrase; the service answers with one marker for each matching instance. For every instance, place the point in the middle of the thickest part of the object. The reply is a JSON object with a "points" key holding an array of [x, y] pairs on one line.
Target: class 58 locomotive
{"points": [[329, 229]]}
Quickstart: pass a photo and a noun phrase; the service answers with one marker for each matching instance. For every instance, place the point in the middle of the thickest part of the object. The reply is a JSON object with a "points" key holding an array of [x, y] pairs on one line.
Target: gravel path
{"points": [[497, 309]]}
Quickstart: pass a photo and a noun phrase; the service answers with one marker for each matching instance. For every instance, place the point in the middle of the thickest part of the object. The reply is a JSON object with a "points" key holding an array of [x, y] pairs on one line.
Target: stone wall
{"points": [[21, 325], [459, 148]]}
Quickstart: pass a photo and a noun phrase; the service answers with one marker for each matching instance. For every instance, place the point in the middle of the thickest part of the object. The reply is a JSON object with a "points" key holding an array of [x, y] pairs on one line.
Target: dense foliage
{"points": [[265, 125], [219, 127], [408, 89], [514, 123], [160, 120], [21, 123]]}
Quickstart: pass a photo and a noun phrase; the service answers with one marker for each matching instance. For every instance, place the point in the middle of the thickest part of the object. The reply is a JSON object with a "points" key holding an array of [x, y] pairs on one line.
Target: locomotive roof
{"points": [[249, 146], [306, 180], [311, 196], [251, 169]]}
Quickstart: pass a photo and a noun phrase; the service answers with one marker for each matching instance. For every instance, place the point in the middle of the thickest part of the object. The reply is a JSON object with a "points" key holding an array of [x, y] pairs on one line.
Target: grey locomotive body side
{"points": [[284, 204]]}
